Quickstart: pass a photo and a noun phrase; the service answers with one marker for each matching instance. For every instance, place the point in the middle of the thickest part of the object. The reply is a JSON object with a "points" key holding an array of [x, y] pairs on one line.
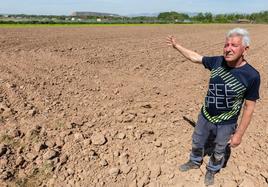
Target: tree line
{"points": [[164, 17], [261, 17]]}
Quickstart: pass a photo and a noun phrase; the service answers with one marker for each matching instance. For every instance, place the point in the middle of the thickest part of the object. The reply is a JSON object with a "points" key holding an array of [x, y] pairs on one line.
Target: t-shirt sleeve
{"points": [[252, 92], [210, 62]]}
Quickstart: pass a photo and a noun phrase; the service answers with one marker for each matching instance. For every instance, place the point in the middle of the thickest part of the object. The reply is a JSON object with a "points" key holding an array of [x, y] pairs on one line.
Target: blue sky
{"points": [[126, 7]]}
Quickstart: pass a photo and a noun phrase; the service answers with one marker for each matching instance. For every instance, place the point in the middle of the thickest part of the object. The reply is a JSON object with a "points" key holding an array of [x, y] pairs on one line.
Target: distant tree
{"points": [[208, 17], [262, 17], [221, 18], [172, 16], [199, 17], [143, 18]]}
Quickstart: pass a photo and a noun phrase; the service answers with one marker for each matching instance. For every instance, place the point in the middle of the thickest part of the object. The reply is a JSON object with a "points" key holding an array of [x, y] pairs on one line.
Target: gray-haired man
{"points": [[233, 82]]}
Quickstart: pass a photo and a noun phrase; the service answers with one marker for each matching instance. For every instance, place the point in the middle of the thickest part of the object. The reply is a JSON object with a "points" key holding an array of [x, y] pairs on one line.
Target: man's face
{"points": [[233, 49]]}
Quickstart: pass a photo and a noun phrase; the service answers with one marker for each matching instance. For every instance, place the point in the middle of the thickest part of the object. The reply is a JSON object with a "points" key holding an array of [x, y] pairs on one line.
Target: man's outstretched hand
{"points": [[189, 54], [171, 41]]}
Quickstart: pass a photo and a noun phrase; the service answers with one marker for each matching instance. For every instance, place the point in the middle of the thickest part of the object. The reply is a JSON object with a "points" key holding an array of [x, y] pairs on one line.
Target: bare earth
{"points": [[110, 106]]}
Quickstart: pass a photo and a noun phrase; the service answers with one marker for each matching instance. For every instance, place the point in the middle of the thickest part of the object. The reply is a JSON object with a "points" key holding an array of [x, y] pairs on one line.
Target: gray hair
{"points": [[240, 32]]}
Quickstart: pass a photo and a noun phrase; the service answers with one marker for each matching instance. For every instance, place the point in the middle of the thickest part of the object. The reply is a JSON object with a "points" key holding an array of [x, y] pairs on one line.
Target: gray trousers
{"points": [[222, 134]]}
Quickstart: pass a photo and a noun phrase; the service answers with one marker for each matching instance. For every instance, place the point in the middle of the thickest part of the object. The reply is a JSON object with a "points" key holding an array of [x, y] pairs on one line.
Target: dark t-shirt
{"points": [[228, 87]]}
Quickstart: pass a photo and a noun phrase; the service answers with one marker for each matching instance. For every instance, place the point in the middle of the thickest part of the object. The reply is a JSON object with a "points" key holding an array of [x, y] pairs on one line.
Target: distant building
{"points": [[93, 14], [243, 21], [187, 21]]}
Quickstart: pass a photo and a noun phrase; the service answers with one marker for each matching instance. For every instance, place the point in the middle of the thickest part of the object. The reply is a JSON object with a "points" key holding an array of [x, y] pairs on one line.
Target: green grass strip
{"points": [[3, 25]]}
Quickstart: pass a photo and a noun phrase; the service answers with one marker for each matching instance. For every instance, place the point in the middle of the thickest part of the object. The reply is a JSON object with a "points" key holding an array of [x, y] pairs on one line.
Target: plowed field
{"points": [[113, 106]]}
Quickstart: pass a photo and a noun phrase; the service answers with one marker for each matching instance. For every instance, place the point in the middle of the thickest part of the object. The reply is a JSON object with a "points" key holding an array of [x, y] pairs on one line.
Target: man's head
{"points": [[236, 45]]}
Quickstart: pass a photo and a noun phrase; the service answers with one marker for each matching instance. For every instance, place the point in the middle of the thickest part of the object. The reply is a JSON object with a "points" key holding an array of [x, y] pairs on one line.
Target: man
{"points": [[233, 82]]}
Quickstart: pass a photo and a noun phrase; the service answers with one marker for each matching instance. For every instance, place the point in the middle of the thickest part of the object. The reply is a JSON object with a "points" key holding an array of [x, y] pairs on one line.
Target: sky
{"points": [[128, 7]]}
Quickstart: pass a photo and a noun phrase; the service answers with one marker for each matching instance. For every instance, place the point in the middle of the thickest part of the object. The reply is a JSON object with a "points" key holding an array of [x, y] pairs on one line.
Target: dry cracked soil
{"points": [[114, 106]]}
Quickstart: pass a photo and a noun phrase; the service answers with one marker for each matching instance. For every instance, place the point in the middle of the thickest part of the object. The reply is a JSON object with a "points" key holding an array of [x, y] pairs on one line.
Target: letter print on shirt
{"points": [[227, 96]]}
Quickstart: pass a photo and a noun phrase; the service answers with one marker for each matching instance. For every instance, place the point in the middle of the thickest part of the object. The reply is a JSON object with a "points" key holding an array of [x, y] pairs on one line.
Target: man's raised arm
{"points": [[191, 55]]}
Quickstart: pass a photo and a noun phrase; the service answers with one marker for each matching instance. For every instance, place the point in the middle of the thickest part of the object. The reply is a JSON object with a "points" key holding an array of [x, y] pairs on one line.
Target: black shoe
{"points": [[188, 165], [209, 178]]}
